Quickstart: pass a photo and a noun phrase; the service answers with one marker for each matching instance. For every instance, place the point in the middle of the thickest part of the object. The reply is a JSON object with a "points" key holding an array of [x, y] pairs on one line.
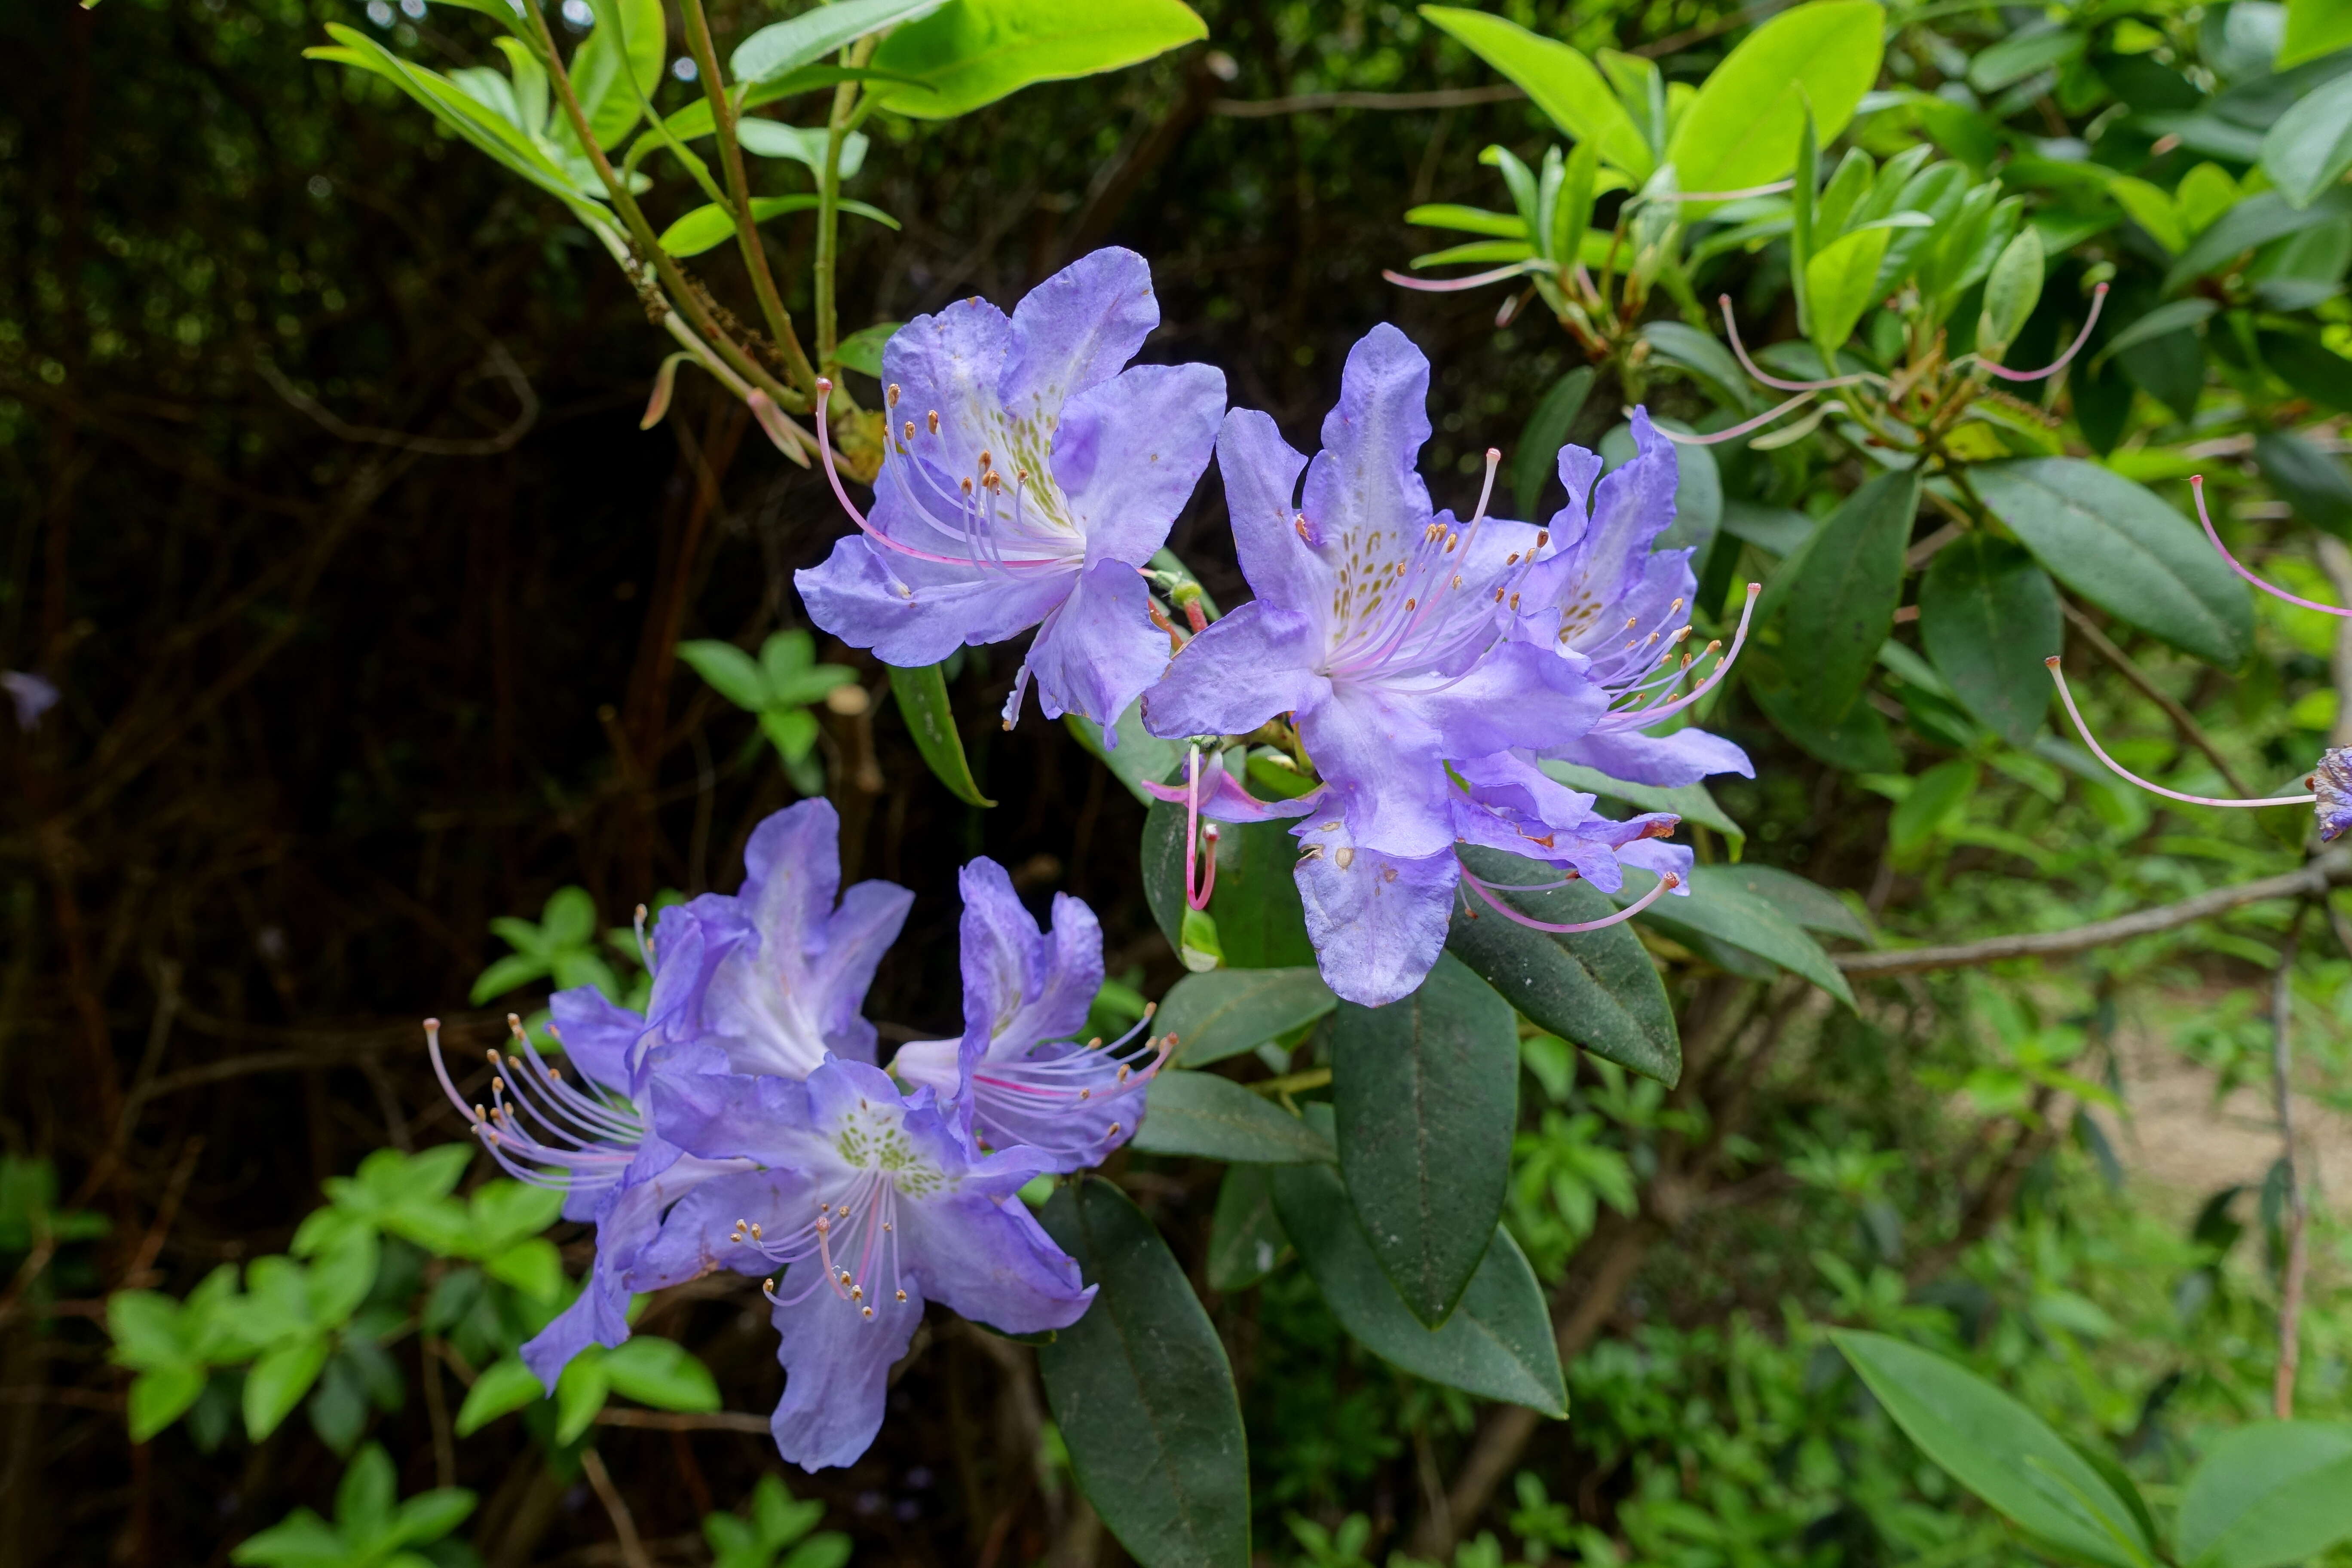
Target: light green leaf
{"points": [[429, 1516], [1742, 128], [504, 1386], [800, 144], [2012, 291], [581, 1391], [1142, 1393], [534, 1268], [2267, 1494], [279, 1381], [973, 52], [1214, 1118], [1139, 754], [2314, 27], [1999, 1450], [1680, 343], [726, 668], [1227, 1011], [862, 350], [1561, 81], [618, 67], [161, 1394], [2309, 147], [1469, 220], [786, 46], [301, 1539], [1840, 282], [1426, 1092], [1498, 1342], [709, 227], [511, 973], [922, 695], [2119, 546], [2011, 59], [661, 1373], [1937, 796]]}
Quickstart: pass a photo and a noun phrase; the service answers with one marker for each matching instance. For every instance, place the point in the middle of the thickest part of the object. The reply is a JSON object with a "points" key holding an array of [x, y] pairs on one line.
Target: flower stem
{"points": [[828, 207]]}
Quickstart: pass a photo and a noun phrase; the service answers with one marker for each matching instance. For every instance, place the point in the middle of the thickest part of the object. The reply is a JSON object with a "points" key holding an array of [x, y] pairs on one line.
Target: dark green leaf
{"points": [[2269, 1494], [1255, 903], [1685, 345], [1228, 1011], [1837, 596], [2308, 148], [2174, 316], [1142, 1392], [1214, 1118], [1139, 754], [2310, 367], [973, 52], [1426, 1092], [1596, 988], [1498, 1343], [931, 719], [1808, 904], [1721, 905], [1988, 616], [1999, 1450], [2118, 545], [1857, 741], [1537, 459], [2306, 479], [1245, 1239], [2256, 221]]}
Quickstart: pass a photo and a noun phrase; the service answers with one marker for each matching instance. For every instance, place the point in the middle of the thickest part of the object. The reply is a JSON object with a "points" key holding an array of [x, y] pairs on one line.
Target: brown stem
{"points": [[633, 1550], [2331, 869], [681, 1421], [738, 189], [682, 296], [2297, 1203], [2182, 719]]}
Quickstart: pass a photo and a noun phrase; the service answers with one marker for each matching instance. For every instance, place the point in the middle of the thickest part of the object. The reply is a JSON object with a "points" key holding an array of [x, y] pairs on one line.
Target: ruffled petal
{"points": [[912, 612], [1076, 329], [837, 1365], [1127, 454], [989, 1260], [1377, 921], [1684, 757], [1261, 472], [1098, 650], [1256, 663]]}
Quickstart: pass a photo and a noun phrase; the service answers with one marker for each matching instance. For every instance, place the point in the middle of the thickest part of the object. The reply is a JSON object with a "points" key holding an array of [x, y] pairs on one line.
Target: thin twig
{"points": [[2333, 868], [633, 1550], [682, 1421], [326, 419], [2182, 719], [437, 1410], [2298, 1205]]}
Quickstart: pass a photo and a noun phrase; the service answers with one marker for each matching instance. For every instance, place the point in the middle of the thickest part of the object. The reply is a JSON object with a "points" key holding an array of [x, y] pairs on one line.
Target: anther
{"points": [[1543, 537], [893, 394], [902, 1295], [910, 428], [1409, 604], [966, 482], [858, 1292], [868, 1312], [985, 459], [1515, 605], [755, 1230], [934, 418]]}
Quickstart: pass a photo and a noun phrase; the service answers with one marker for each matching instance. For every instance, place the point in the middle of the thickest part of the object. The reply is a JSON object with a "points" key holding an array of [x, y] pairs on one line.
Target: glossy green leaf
{"points": [[657, 1371], [781, 47], [1245, 1239], [2255, 221], [1741, 129], [2009, 61], [2313, 28], [2311, 481], [1260, 919], [2176, 316], [1227, 1011], [279, 1381], [1840, 283], [973, 52], [1142, 1393], [1811, 905], [808, 145], [1426, 1094], [710, 225], [2118, 545], [1596, 988], [1721, 905], [1836, 597], [1498, 1343], [1999, 1450], [1536, 459], [616, 70], [1139, 755], [1214, 1118], [1559, 80], [2269, 1494], [923, 703], [861, 350], [2309, 147], [504, 1386], [1682, 345], [1988, 618]]}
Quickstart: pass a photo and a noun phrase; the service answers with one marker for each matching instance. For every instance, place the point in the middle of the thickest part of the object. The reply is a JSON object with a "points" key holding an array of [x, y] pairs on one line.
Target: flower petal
{"points": [[912, 612], [836, 1364], [1076, 329], [1098, 650], [1367, 480], [1127, 454], [1261, 472], [990, 1261], [1684, 757], [1256, 663], [1377, 921], [1021, 987]]}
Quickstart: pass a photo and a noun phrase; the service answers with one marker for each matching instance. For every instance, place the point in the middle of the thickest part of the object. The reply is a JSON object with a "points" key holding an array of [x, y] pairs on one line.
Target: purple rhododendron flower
{"points": [[1017, 1076], [1604, 594], [1027, 478], [873, 1202], [768, 981], [1392, 635], [792, 989], [591, 1135]]}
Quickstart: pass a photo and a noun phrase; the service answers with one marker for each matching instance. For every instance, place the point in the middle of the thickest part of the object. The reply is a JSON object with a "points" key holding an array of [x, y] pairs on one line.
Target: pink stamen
{"points": [[2116, 768], [2098, 301], [1195, 830], [1667, 884], [1455, 285], [1732, 329], [1742, 429], [1646, 717], [2197, 489], [832, 475]]}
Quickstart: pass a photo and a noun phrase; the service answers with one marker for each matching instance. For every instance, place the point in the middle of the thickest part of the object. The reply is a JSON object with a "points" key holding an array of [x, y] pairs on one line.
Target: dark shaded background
{"points": [[364, 635]]}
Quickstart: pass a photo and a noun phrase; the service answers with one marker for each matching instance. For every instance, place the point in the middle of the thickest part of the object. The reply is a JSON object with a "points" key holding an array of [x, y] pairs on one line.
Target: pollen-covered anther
{"points": [[857, 1292], [909, 430], [966, 483], [1410, 604], [892, 396], [755, 1230], [844, 1277], [1344, 857], [933, 419], [986, 459], [867, 1310], [1543, 537], [902, 1295]]}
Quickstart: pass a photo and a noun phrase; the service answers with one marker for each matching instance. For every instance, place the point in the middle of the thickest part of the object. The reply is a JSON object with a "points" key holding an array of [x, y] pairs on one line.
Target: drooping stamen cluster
{"points": [[870, 1207], [975, 503], [543, 1130], [1643, 689], [1031, 1100]]}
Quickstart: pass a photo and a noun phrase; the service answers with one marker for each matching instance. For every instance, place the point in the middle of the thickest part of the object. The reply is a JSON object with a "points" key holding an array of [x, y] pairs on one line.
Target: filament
{"points": [[1742, 429], [1732, 329], [2099, 751], [1667, 884], [1455, 285], [2197, 489], [1641, 717], [2098, 301]]}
